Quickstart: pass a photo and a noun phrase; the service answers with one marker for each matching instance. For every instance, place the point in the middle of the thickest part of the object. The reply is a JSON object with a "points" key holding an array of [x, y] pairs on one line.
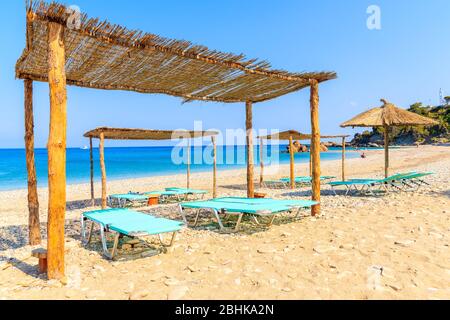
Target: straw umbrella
{"points": [[387, 116]]}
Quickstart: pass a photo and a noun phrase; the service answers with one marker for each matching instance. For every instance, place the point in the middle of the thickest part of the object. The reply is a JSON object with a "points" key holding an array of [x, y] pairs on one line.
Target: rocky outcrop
{"points": [[299, 148]]}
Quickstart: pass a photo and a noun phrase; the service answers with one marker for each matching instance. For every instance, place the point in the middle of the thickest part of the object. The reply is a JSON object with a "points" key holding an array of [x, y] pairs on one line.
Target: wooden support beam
{"points": [[34, 233], [103, 168], [250, 151], [343, 158], [261, 162], [291, 166], [56, 151], [188, 174], [386, 151], [213, 139], [91, 161], [310, 162], [315, 146]]}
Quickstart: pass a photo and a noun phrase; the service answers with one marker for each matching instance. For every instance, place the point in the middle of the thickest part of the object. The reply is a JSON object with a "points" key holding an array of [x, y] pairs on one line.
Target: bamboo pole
{"points": [[315, 146], [91, 161], [386, 151], [103, 168], [56, 151], [213, 139], [250, 151], [34, 233], [188, 174], [291, 167], [343, 158], [261, 162]]}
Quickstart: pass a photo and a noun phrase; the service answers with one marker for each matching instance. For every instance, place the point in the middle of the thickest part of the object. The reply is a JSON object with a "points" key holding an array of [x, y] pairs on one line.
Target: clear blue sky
{"points": [[406, 61]]}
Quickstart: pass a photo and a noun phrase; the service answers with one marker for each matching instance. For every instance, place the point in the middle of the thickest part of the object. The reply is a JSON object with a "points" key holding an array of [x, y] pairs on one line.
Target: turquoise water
{"points": [[136, 162]]}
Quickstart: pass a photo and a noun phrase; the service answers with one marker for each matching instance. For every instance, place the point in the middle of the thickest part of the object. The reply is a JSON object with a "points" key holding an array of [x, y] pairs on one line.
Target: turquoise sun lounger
{"points": [[124, 222], [122, 200], [244, 206], [397, 181]]}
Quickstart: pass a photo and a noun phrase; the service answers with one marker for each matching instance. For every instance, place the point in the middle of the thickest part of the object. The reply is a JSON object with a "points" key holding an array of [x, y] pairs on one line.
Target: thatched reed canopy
{"points": [[286, 135], [106, 133], [142, 134], [386, 116], [102, 55]]}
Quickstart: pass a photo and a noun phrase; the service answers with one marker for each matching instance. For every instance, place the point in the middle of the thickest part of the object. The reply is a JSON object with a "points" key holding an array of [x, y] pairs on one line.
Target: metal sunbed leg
{"points": [[219, 221], [91, 230], [105, 245], [271, 221], [183, 215], [298, 212], [238, 223], [172, 241], [197, 217]]}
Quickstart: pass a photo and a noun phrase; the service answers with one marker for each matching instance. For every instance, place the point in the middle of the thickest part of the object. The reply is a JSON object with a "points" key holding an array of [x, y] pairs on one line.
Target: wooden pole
{"points": [[188, 175], [343, 158], [56, 151], [310, 162], [34, 233], [213, 139], [250, 151], [315, 146], [261, 162], [292, 159], [386, 151], [103, 168], [91, 160]]}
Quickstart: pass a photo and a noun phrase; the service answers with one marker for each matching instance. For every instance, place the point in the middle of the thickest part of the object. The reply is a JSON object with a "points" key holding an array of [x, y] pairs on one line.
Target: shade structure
{"points": [[144, 134], [386, 116], [106, 133], [291, 135], [105, 56], [65, 48]]}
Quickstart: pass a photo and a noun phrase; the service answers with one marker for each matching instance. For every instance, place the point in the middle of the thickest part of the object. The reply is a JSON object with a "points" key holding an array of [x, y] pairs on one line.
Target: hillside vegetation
{"points": [[412, 135]]}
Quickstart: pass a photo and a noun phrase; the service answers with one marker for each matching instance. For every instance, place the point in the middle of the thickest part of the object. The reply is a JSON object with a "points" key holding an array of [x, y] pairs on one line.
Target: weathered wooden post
{"points": [[103, 168], [386, 151], [213, 139], [188, 174], [291, 166], [315, 145], [343, 158], [91, 160], [250, 151], [56, 151], [261, 162], [34, 233]]}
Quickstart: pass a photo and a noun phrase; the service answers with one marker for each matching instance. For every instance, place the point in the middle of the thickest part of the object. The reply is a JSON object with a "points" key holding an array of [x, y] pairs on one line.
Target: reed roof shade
{"points": [[105, 56], [141, 134], [286, 135], [388, 115]]}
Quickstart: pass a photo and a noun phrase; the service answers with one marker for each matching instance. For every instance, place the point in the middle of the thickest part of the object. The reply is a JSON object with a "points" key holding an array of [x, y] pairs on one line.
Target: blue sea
{"points": [[139, 162]]}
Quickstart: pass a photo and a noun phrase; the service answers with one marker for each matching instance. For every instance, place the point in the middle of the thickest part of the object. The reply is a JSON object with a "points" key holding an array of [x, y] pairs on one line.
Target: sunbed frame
{"points": [[242, 207], [107, 228]]}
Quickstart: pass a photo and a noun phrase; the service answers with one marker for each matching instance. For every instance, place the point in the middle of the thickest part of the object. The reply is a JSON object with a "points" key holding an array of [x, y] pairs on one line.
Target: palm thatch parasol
{"points": [[386, 116]]}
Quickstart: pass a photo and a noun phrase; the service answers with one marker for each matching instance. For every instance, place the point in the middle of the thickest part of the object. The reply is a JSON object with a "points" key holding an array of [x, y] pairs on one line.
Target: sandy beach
{"points": [[390, 247]]}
